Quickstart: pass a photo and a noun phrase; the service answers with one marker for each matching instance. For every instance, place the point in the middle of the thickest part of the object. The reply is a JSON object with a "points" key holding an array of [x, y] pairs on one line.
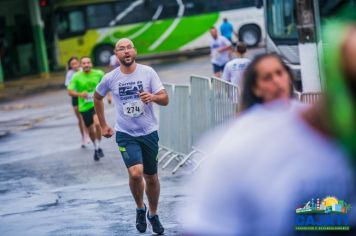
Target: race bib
{"points": [[133, 109], [89, 98]]}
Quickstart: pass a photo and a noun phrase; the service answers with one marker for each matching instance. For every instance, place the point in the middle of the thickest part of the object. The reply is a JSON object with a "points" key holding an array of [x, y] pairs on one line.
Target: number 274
{"points": [[132, 109]]}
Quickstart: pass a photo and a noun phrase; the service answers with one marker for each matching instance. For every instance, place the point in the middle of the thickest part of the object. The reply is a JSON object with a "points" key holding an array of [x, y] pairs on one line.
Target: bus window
{"points": [[195, 7], [170, 10], [76, 21], [70, 23], [235, 4], [128, 12], [282, 24], [99, 15]]}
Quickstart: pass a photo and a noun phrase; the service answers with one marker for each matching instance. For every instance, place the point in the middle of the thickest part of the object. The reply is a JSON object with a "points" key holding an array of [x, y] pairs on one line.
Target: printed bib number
{"points": [[89, 98], [133, 109]]}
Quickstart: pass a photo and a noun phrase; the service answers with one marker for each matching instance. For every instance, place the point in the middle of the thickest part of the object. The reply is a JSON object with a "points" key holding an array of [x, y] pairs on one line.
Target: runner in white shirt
{"points": [[73, 67], [134, 88], [235, 68], [113, 62], [220, 51]]}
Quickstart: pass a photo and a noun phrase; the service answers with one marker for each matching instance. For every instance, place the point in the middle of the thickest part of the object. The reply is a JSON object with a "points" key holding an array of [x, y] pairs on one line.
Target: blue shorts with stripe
{"points": [[139, 150]]}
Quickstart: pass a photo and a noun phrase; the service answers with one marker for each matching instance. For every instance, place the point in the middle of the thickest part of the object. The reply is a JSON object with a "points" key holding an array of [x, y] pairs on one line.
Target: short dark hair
{"points": [[248, 97], [84, 57], [241, 47], [69, 61]]}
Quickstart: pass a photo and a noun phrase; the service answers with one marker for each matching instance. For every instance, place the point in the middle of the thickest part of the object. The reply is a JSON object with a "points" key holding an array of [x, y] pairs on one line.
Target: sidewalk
{"points": [[31, 84]]}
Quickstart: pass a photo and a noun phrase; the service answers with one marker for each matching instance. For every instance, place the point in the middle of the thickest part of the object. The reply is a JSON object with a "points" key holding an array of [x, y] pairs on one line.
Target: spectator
{"points": [[227, 30]]}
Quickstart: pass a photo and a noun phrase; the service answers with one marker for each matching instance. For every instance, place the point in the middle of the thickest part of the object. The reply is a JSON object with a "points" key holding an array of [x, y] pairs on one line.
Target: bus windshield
{"points": [[281, 20]]}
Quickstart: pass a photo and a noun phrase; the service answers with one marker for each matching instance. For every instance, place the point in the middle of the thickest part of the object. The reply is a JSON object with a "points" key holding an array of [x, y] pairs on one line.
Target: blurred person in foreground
{"points": [[259, 172], [73, 66]]}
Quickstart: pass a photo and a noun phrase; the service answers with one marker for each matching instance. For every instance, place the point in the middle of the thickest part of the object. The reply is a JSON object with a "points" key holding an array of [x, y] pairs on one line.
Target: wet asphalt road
{"points": [[51, 186]]}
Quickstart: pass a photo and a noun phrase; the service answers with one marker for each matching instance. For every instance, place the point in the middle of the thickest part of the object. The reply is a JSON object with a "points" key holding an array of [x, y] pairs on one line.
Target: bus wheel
{"points": [[250, 35], [102, 55]]}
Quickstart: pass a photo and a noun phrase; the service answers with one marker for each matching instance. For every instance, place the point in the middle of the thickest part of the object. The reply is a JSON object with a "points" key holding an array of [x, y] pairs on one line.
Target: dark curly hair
{"points": [[69, 61], [248, 98]]}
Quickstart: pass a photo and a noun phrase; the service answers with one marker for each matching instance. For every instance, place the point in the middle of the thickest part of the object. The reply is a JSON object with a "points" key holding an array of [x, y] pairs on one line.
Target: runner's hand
{"points": [[146, 97], [107, 131], [83, 95]]}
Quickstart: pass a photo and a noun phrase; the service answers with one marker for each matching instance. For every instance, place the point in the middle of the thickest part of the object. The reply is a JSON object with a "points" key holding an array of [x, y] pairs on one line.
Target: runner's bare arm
{"points": [[106, 130], [222, 49], [109, 96], [74, 93], [161, 98]]}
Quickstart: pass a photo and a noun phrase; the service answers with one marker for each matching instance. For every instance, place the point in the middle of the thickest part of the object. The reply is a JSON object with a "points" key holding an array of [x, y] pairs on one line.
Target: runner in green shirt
{"points": [[83, 86]]}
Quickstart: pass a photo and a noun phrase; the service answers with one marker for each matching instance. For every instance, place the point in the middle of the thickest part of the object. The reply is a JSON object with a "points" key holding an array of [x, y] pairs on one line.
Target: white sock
{"points": [[96, 144]]}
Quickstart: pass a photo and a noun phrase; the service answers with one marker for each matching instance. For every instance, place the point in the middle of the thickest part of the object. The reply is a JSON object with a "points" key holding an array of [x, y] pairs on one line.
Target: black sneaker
{"points": [[100, 153], [96, 155], [141, 224], [156, 226]]}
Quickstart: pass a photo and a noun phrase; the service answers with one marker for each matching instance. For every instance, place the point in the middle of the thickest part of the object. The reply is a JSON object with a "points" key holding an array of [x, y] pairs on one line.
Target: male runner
{"points": [[135, 88], [83, 86]]}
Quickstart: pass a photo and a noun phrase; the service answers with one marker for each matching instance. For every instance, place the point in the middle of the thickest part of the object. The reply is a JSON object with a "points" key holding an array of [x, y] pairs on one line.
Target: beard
{"points": [[86, 68], [124, 61]]}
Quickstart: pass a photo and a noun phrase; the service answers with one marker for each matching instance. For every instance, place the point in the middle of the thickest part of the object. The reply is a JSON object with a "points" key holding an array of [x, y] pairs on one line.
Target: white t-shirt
{"points": [[219, 58], [234, 69], [132, 116], [69, 76], [113, 61], [266, 164]]}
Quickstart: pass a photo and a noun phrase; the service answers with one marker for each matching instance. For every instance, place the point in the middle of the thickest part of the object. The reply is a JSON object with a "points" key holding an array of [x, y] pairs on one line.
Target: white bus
{"points": [[293, 30], [91, 27]]}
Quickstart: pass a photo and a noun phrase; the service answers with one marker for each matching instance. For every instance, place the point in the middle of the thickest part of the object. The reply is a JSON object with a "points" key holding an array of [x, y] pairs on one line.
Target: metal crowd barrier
{"points": [[201, 105], [174, 121], [224, 100], [193, 110], [310, 97]]}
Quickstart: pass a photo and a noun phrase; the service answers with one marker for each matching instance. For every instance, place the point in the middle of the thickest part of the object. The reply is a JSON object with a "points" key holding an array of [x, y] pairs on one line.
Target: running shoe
{"points": [[141, 224], [83, 144], [156, 226], [100, 153], [96, 155]]}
